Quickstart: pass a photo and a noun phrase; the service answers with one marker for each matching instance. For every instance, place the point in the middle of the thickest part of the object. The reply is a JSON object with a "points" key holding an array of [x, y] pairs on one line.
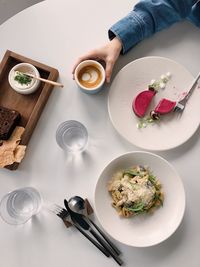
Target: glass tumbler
{"points": [[72, 136], [18, 206]]}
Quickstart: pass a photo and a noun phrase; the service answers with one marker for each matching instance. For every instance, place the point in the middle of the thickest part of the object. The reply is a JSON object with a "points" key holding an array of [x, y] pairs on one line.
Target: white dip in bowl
{"points": [[24, 87]]}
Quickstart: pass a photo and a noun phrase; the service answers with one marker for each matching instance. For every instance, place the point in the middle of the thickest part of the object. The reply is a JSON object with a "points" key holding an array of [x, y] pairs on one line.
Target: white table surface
{"points": [[56, 32]]}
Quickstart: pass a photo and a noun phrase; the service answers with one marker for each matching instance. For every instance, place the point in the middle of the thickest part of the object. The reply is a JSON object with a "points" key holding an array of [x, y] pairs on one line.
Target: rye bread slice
{"points": [[8, 120]]}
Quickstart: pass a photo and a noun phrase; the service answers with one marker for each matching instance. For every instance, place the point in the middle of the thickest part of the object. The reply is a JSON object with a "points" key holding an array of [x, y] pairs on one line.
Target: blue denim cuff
{"points": [[149, 17], [128, 30], [194, 16]]}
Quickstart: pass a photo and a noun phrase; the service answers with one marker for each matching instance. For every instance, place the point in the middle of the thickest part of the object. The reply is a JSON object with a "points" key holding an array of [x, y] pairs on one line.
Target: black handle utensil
{"points": [[78, 205], [78, 218]]}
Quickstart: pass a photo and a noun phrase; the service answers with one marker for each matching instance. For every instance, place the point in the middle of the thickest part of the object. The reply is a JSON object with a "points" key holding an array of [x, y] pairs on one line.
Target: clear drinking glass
{"points": [[72, 136], [18, 206]]}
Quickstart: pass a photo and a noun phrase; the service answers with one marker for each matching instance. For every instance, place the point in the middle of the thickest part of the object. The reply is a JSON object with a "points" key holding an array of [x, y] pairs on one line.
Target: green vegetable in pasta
{"points": [[137, 208], [135, 190], [132, 173]]}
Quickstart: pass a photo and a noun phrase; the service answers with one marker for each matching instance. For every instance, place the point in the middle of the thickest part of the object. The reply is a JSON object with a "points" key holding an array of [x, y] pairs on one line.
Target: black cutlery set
{"points": [[76, 214]]}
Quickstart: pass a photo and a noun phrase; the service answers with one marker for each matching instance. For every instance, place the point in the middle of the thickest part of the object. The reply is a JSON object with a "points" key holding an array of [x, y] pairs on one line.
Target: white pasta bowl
{"points": [[145, 229]]}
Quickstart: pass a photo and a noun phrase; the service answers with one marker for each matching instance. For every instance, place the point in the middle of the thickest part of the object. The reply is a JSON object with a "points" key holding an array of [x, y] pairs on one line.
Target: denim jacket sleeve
{"points": [[151, 16]]}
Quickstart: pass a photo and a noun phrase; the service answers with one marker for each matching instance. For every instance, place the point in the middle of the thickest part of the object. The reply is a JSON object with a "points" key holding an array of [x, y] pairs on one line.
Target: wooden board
{"points": [[29, 106]]}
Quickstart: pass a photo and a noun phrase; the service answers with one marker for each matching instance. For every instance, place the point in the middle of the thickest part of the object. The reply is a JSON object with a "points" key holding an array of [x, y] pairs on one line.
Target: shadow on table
{"points": [[159, 253], [77, 158], [182, 149]]}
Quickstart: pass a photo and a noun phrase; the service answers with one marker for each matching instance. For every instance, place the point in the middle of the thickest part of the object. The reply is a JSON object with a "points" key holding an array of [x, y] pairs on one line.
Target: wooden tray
{"points": [[29, 106]]}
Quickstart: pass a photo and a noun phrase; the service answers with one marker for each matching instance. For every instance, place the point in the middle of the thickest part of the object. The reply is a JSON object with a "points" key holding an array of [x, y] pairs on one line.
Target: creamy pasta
{"points": [[135, 190]]}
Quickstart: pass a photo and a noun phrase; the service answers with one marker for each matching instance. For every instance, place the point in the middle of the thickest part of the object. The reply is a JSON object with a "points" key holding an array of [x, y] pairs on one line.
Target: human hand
{"points": [[109, 53]]}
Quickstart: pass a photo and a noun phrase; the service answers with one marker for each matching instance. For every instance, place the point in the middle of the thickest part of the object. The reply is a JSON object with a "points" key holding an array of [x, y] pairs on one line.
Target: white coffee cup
{"points": [[90, 76]]}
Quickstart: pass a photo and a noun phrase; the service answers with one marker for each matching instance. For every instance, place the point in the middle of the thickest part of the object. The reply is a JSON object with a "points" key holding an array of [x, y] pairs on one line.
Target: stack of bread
{"points": [[10, 136]]}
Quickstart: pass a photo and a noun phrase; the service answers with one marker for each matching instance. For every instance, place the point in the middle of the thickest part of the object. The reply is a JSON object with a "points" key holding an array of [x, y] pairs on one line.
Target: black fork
{"points": [[64, 215]]}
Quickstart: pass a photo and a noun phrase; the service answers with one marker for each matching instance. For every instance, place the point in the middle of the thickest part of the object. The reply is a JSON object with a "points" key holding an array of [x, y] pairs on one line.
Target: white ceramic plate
{"points": [[135, 77], [142, 230]]}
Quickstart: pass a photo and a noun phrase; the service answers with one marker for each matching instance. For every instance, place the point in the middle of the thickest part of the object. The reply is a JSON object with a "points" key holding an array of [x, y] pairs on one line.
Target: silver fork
{"points": [[64, 215], [180, 105]]}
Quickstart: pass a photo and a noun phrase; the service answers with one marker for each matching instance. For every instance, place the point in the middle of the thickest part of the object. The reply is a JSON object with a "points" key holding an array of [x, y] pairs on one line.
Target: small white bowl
{"points": [[24, 89], [93, 89]]}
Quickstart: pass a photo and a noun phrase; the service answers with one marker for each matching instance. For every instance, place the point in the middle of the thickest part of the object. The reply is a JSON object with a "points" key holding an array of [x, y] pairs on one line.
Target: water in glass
{"points": [[20, 205], [72, 136]]}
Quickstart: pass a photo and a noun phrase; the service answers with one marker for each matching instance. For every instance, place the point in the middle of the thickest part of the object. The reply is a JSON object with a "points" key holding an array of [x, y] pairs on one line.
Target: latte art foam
{"points": [[90, 76]]}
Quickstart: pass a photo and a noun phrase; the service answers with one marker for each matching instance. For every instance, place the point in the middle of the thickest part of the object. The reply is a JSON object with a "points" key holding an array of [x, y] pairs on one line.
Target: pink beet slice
{"points": [[142, 101], [165, 106]]}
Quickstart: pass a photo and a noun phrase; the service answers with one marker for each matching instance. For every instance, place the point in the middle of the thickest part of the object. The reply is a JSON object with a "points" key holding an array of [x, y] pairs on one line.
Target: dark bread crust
{"points": [[8, 120]]}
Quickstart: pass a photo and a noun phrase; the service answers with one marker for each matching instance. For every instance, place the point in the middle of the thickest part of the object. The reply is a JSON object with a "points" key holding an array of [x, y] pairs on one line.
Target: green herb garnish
{"points": [[161, 83], [145, 121], [22, 78]]}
